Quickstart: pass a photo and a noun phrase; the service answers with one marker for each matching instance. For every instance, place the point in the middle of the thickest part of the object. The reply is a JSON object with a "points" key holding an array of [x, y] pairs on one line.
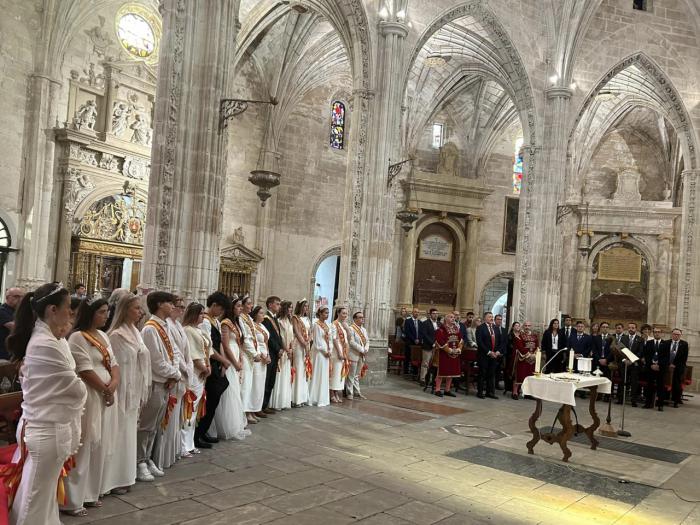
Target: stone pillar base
{"points": [[377, 360]]}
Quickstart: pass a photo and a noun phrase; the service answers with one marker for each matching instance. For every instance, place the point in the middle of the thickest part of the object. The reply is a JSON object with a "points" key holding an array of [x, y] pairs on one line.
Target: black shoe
{"points": [[634, 404], [202, 444], [514, 396], [208, 439], [675, 405], [481, 396], [491, 396], [661, 409], [450, 394], [438, 393]]}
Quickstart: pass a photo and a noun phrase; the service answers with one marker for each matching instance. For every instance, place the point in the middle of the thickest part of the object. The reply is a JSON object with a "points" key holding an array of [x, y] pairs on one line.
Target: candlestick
{"points": [[538, 362], [571, 361]]}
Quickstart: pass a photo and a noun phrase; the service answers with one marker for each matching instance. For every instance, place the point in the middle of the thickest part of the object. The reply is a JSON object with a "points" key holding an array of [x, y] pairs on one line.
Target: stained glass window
{"points": [[337, 125], [518, 167], [136, 35]]}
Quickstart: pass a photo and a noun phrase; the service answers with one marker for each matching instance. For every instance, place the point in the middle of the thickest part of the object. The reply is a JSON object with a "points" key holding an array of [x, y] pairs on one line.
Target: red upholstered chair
{"points": [[470, 368], [416, 360], [396, 357]]}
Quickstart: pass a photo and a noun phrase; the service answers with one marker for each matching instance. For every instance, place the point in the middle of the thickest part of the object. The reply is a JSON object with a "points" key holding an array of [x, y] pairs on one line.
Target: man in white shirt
{"points": [[358, 341], [165, 373]]}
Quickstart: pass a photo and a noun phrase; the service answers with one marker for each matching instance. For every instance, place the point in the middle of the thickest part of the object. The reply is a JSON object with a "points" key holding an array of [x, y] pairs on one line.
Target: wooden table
{"points": [[560, 388]]}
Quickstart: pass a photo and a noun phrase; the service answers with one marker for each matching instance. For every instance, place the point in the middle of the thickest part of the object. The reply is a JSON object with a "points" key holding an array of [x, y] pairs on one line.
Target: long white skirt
{"points": [[187, 431], [121, 471], [282, 392], [318, 389], [35, 501], [168, 447], [300, 388], [336, 381], [229, 418], [253, 385]]}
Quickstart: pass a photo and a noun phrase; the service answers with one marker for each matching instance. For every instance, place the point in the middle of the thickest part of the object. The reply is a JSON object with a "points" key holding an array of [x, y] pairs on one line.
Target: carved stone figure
{"points": [[120, 118], [86, 116], [238, 236], [627, 187], [141, 129], [449, 159], [109, 162], [99, 37], [76, 186]]}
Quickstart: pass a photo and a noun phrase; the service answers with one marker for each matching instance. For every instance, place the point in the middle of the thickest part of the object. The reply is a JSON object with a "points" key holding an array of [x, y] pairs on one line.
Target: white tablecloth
{"points": [[560, 388]]}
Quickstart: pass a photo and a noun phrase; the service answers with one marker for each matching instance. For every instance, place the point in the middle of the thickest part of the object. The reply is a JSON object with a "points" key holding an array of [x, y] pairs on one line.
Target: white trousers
{"points": [[352, 382], [151, 417], [187, 431], [35, 502]]}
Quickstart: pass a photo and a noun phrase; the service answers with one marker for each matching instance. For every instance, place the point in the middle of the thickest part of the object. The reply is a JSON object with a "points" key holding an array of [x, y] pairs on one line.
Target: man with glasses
{"points": [[7, 317], [656, 355], [358, 341], [677, 360]]}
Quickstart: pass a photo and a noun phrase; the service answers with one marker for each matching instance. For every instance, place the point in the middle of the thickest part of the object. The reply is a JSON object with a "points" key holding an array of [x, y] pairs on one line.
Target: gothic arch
{"points": [[484, 288], [633, 242], [664, 98], [328, 252], [456, 228]]}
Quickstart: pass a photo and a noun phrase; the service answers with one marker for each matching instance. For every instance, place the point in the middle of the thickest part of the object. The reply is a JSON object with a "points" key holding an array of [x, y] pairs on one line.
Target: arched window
{"points": [[139, 31], [518, 167], [337, 139]]}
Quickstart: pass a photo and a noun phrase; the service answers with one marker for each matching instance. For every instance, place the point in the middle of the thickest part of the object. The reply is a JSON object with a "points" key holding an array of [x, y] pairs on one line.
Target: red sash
{"points": [[163, 337], [106, 358]]}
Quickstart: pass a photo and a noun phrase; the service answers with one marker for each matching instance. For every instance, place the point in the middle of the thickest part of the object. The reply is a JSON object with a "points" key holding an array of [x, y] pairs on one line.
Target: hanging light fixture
{"points": [[407, 216], [265, 180]]}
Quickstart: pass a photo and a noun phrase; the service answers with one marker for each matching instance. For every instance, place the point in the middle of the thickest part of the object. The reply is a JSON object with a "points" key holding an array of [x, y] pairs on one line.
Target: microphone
{"points": [[552, 359]]}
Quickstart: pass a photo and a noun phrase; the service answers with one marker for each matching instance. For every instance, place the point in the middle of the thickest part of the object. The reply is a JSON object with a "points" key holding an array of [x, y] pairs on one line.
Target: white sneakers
{"points": [[155, 470], [142, 473]]}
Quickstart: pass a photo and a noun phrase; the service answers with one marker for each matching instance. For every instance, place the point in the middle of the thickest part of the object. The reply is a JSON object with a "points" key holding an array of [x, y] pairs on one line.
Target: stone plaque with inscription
{"points": [[620, 264], [435, 248]]}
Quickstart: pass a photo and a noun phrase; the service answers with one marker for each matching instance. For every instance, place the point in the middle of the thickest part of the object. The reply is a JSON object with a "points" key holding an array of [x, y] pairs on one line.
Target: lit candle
{"points": [[571, 360], [538, 361]]}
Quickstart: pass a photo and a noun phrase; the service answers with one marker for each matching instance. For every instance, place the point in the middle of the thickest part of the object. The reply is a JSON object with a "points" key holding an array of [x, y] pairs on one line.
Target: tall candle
{"points": [[571, 360], [538, 361]]}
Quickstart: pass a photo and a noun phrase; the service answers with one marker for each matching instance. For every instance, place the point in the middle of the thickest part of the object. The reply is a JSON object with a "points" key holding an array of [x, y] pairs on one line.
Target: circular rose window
{"points": [[136, 35]]}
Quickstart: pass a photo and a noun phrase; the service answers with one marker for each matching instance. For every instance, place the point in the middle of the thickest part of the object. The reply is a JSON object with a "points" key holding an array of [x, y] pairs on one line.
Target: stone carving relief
{"points": [[627, 187], [117, 218], [101, 40], [120, 117], [86, 116], [109, 162], [137, 167], [141, 128], [449, 160], [90, 78], [75, 187]]}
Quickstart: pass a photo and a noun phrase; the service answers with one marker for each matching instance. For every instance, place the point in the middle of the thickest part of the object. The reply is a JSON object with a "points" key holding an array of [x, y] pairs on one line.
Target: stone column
{"points": [[188, 175], [369, 224], [661, 290], [537, 277], [468, 269], [408, 266], [688, 275], [581, 279]]}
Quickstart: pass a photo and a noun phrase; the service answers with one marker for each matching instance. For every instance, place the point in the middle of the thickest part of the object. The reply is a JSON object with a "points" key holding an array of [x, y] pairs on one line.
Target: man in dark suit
{"points": [[568, 328], [411, 336], [601, 349], [426, 334], [503, 349], [656, 357], [488, 343], [274, 345], [678, 358], [633, 342], [580, 342]]}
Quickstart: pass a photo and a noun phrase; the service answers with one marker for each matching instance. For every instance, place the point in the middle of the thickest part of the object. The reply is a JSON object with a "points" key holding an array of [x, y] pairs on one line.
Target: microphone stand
{"points": [[552, 359], [622, 432]]}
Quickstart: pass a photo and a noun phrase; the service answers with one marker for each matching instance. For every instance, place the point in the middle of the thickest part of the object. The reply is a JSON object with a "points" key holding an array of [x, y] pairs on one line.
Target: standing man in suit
{"points": [[678, 358], [633, 341], [488, 342], [503, 347], [580, 342], [426, 335], [656, 357], [411, 336], [274, 346], [568, 328], [601, 349]]}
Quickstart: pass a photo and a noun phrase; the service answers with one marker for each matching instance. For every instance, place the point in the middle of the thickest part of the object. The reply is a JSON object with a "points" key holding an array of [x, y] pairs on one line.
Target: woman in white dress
{"points": [[302, 341], [170, 446], [281, 397], [321, 353], [259, 367], [230, 420], [339, 356], [134, 389], [53, 401], [200, 349], [97, 367], [251, 356]]}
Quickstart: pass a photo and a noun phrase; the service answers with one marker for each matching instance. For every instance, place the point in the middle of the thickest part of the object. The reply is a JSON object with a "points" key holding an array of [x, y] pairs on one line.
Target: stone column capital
{"points": [[690, 173], [393, 28], [471, 218], [558, 92]]}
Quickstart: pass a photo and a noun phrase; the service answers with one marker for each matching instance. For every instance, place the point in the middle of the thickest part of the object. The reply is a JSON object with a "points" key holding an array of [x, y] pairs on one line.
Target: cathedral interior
{"points": [[533, 158]]}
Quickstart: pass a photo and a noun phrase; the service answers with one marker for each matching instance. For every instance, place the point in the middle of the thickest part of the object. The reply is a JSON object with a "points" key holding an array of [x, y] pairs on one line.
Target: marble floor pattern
{"points": [[399, 458]]}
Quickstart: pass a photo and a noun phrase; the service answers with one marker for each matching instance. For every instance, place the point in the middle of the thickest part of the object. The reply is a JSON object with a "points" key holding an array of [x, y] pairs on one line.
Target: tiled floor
{"points": [[390, 460]]}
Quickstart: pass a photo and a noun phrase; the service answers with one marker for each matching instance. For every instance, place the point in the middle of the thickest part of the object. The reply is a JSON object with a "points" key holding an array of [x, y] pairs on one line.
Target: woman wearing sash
{"points": [[169, 449], [302, 339], [132, 394], [251, 357], [230, 419], [200, 349], [53, 397], [339, 355], [448, 343], [282, 392], [97, 367], [321, 353], [262, 337]]}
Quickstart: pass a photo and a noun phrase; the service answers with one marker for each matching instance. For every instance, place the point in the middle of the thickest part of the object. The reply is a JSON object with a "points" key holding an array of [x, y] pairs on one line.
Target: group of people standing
{"points": [[511, 353], [109, 399]]}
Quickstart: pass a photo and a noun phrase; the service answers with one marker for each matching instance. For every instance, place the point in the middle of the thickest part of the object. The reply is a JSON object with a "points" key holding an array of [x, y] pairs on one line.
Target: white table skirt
{"points": [[560, 388]]}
